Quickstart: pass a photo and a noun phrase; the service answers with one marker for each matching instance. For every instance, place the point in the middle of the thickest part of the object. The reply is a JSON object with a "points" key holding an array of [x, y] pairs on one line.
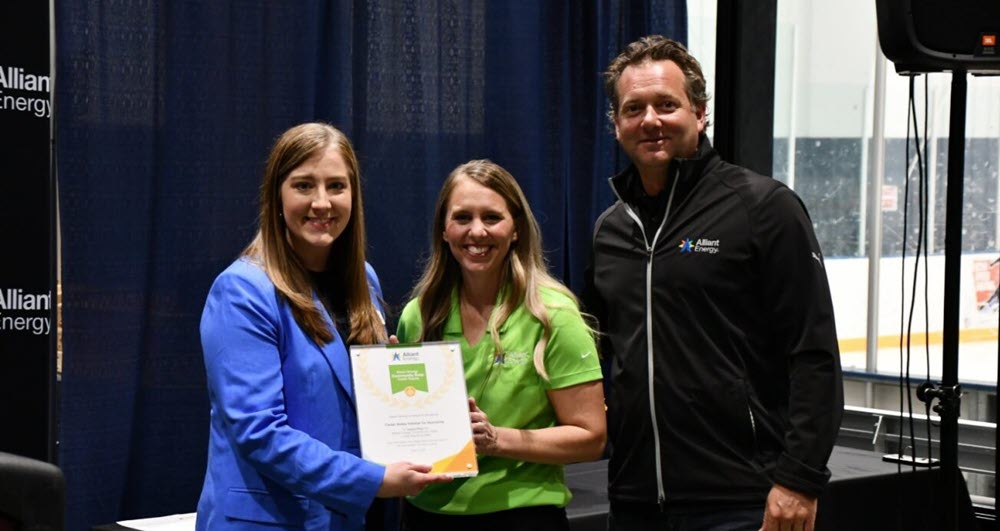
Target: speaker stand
{"points": [[949, 392]]}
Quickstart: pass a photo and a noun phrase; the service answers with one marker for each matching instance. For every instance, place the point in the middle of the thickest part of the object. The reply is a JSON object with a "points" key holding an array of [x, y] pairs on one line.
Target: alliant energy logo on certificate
{"points": [[413, 406]]}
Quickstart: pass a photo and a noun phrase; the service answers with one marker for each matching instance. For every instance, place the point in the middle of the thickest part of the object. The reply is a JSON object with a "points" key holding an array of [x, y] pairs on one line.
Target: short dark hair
{"points": [[656, 48]]}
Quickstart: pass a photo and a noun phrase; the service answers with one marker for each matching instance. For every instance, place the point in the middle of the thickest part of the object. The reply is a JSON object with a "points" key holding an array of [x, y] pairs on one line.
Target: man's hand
{"points": [[787, 510]]}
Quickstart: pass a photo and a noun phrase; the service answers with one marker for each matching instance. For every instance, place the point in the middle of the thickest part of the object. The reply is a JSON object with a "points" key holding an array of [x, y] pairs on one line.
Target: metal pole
{"points": [[54, 256], [952, 285], [875, 180]]}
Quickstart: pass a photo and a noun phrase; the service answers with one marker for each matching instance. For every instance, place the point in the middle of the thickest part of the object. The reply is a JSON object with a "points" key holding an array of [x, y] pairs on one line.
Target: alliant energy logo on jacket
{"points": [[701, 245], [15, 303], [22, 91]]}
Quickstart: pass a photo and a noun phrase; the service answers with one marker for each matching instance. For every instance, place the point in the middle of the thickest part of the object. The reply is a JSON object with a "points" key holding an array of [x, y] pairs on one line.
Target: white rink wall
{"points": [[849, 286]]}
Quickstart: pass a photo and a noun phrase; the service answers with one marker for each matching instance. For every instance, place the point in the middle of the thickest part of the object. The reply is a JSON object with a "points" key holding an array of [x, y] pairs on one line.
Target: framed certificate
{"points": [[413, 406]]}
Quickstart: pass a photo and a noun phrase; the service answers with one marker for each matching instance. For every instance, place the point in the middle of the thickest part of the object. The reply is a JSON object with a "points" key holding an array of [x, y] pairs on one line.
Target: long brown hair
{"points": [[346, 263], [522, 279]]}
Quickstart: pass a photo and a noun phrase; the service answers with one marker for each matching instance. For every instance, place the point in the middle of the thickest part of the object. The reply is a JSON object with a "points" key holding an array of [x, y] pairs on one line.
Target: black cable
{"points": [[925, 178], [912, 113], [902, 291], [901, 450], [927, 324]]}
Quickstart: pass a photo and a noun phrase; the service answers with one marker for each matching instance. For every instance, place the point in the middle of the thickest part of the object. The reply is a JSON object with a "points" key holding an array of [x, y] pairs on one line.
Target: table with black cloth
{"points": [[864, 493]]}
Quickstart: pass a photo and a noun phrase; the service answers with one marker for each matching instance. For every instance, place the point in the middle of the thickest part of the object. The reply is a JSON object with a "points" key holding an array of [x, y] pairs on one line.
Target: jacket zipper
{"points": [[650, 247], [753, 421]]}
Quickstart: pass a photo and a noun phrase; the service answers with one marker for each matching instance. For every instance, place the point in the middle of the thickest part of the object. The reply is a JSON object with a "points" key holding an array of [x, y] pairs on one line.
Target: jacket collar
{"points": [[688, 170]]}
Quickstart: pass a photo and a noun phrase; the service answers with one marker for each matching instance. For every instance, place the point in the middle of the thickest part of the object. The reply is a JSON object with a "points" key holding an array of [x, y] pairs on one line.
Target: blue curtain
{"points": [[165, 112]]}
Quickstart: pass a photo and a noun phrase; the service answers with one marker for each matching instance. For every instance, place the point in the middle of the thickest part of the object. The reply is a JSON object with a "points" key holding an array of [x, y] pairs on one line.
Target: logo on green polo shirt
{"points": [[517, 358], [410, 377]]}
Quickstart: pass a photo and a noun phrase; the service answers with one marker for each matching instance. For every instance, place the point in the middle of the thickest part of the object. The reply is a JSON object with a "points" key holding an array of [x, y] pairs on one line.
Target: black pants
{"points": [[539, 518], [383, 515], [643, 517]]}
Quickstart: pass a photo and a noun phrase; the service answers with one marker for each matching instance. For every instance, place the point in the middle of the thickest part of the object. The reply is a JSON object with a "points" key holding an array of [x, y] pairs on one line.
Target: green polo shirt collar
{"points": [[453, 326]]}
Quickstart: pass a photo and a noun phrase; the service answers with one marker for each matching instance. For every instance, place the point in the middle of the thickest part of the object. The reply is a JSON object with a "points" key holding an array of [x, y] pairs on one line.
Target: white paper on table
{"points": [[174, 522]]}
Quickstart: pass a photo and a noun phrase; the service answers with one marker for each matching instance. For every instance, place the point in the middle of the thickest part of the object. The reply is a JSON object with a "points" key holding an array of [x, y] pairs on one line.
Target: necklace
{"points": [[468, 310], [475, 321], [475, 325]]}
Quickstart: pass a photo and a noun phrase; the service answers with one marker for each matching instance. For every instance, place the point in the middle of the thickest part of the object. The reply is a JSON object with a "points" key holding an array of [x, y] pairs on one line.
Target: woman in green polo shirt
{"points": [[531, 365]]}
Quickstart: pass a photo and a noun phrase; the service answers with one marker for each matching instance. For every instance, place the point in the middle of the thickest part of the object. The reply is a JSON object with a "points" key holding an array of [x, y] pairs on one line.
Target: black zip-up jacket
{"points": [[719, 325]]}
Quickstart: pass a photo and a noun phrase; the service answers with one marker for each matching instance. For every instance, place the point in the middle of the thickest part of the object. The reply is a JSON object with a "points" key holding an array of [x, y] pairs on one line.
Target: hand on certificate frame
{"points": [[484, 434], [407, 479]]}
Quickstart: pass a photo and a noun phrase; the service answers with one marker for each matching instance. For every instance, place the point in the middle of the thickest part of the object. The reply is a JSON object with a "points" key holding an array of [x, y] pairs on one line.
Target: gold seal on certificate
{"points": [[413, 406]]}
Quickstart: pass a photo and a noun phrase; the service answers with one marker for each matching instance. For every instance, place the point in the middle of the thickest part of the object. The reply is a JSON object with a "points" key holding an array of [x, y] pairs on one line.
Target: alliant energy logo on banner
{"points": [[27, 285], [25, 312], [21, 91]]}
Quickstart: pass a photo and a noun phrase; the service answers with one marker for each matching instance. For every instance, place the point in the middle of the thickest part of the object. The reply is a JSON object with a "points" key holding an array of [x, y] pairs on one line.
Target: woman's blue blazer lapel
{"points": [[336, 354]]}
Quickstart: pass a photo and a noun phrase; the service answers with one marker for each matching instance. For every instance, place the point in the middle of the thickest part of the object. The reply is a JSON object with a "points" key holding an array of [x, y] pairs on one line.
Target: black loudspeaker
{"points": [[940, 35]]}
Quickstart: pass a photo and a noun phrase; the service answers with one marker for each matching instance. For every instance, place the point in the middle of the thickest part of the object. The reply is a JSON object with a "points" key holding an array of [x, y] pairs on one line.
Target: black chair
{"points": [[32, 494]]}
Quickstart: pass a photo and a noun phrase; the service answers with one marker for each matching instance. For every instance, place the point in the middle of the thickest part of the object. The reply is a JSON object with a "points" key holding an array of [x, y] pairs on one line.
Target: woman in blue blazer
{"points": [[283, 442]]}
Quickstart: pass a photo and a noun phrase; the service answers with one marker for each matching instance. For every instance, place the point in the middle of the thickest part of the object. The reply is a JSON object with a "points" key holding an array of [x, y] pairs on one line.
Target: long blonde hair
{"points": [[346, 263], [524, 276]]}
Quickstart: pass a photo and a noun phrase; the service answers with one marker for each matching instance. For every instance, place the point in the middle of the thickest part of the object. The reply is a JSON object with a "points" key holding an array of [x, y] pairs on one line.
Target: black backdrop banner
{"points": [[27, 295], [165, 113]]}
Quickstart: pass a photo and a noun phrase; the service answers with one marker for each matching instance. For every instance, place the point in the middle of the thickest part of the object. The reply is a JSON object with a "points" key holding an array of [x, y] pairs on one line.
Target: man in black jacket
{"points": [[726, 391]]}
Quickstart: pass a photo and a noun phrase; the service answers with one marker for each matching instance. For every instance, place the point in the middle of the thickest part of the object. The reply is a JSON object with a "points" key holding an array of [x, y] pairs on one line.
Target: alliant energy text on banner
{"points": [[24, 312], [22, 91]]}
